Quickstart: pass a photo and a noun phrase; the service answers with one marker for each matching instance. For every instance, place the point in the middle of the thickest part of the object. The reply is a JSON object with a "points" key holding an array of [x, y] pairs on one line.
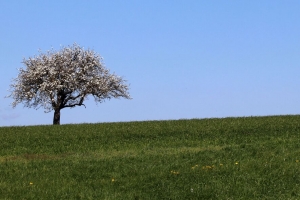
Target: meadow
{"points": [[227, 158]]}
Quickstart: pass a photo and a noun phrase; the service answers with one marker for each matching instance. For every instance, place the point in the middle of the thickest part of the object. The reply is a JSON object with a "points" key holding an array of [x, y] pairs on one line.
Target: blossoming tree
{"points": [[64, 79]]}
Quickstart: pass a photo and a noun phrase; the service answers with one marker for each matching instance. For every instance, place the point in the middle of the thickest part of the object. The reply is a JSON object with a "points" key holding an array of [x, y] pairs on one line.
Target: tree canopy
{"points": [[60, 79]]}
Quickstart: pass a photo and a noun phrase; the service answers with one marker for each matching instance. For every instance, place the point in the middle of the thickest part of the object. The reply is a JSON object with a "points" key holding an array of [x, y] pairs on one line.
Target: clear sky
{"points": [[182, 58]]}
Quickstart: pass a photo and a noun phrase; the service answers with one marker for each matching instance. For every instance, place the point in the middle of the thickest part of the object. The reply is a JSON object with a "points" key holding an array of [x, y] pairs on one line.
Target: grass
{"points": [[229, 158]]}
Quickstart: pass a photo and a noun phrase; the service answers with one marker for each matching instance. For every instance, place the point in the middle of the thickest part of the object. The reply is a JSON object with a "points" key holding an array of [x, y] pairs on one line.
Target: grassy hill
{"points": [[230, 158]]}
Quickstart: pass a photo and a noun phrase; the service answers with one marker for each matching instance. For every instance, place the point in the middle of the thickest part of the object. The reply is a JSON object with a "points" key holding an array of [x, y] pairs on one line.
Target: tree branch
{"points": [[73, 105]]}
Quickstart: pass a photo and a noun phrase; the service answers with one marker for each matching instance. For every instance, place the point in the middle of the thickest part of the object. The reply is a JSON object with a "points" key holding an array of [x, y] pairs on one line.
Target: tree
{"points": [[64, 79]]}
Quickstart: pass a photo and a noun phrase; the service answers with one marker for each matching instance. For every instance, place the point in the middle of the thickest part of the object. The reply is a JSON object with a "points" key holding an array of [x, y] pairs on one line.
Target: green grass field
{"points": [[229, 158]]}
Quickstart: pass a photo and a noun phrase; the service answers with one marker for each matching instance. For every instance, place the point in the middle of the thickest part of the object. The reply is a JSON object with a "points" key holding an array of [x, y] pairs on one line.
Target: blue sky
{"points": [[183, 59]]}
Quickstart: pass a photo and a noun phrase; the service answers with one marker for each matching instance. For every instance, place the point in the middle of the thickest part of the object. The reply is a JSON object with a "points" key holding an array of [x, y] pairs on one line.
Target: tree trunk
{"points": [[56, 118]]}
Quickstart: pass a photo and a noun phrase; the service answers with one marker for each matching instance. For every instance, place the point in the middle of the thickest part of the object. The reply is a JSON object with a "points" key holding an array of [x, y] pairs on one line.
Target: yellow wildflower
{"points": [[194, 166], [174, 172], [208, 167]]}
